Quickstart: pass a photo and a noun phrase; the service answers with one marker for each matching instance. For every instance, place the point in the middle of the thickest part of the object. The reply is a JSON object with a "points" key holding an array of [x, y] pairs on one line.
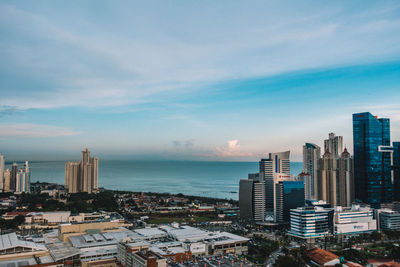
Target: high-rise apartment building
{"points": [[13, 178], [334, 144], [311, 155], [372, 159], [22, 180], [7, 179], [1, 172], [82, 176], [336, 179], [345, 179], [396, 170], [276, 163], [327, 179]]}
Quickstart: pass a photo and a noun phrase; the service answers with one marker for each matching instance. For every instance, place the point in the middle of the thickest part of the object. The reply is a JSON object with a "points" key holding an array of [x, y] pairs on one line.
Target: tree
{"points": [[284, 261]]}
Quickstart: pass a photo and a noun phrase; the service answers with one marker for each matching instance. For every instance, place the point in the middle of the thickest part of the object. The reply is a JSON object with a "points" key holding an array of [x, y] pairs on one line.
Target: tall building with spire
{"points": [[335, 180], [334, 144], [311, 155], [82, 176]]}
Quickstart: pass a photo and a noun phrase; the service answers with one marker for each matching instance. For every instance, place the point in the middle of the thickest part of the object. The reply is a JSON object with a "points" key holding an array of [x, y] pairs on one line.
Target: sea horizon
{"points": [[215, 179]]}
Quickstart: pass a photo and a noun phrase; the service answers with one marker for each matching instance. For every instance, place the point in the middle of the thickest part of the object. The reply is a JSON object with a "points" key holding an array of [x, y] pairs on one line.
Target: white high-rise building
{"points": [[22, 181], [311, 154]]}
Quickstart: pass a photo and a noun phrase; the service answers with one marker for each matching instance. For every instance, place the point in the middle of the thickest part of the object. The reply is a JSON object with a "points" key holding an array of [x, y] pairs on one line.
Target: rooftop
{"points": [[62, 250], [321, 256], [11, 240]]}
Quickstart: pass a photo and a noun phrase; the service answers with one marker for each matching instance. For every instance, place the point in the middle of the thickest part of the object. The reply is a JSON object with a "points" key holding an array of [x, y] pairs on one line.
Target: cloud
{"points": [[186, 145], [130, 61], [33, 130], [6, 110], [231, 149]]}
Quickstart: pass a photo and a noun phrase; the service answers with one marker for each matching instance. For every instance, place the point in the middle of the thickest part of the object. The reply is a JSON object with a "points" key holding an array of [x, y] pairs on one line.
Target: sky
{"points": [[192, 80]]}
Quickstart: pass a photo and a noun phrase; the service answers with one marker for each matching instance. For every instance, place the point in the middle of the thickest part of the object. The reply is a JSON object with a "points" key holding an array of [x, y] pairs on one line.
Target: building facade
{"points": [[22, 180], [2, 172], [396, 171], [389, 220], [13, 178], [289, 195], [372, 159], [354, 220], [252, 200], [311, 155], [310, 222], [336, 179], [334, 144], [82, 176], [276, 163]]}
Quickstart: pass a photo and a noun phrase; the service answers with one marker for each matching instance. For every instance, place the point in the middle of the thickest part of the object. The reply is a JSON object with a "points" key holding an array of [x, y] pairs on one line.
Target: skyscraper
{"points": [[334, 144], [346, 179], [327, 179], [252, 200], [289, 195], [6, 185], [396, 170], [13, 178], [372, 159], [82, 176], [276, 163], [1, 172], [22, 180], [311, 154], [336, 179]]}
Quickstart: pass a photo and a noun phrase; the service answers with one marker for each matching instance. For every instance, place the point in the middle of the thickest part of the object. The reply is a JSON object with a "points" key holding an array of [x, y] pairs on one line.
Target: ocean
{"points": [[198, 178]]}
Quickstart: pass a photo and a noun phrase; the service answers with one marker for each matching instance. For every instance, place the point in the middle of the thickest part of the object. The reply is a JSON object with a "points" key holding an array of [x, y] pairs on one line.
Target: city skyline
{"points": [[162, 82]]}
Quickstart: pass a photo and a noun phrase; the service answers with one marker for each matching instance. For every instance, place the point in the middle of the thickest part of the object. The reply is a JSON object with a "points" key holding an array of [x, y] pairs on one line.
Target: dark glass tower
{"points": [[396, 170], [372, 159]]}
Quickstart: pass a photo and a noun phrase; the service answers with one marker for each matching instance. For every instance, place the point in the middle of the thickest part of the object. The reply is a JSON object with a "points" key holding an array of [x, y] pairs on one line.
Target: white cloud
{"points": [[231, 149], [33, 130]]}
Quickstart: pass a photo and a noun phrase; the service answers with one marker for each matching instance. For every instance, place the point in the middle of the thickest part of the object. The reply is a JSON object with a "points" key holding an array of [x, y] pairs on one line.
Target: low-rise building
{"points": [[137, 254], [354, 220], [320, 257], [388, 220], [46, 219], [74, 229]]}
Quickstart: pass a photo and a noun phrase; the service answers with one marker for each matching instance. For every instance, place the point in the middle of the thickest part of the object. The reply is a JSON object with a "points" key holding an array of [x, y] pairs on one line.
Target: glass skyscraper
{"points": [[372, 159], [396, 170]]}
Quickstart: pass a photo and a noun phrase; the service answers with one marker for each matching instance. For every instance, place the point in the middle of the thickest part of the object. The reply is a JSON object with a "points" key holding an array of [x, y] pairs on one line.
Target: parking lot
{"points": [[216, 261]]}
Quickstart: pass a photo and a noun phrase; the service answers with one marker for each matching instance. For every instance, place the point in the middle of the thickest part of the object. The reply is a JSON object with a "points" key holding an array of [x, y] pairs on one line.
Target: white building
{"points": [[354, 220], [22, 181], [310, 222]]}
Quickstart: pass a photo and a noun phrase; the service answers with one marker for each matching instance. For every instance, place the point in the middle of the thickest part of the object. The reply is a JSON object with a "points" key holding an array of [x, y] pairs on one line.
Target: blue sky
{"points": [[192, 80]]}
